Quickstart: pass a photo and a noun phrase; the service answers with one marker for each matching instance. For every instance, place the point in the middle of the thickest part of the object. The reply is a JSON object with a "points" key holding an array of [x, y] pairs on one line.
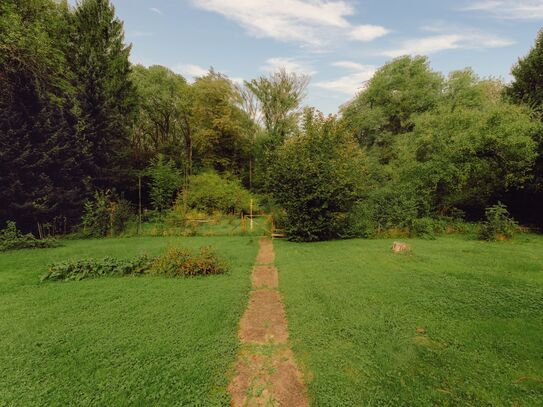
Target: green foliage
{"points": [[208, 192], [465, 157], [65, 107], [43, 154], [174, 262], [279, 97], [527, 88], [105, 92], [427, 227], [498, 224], [106, 214], [180, 262], [12, 239], [317, 177], [165, 182], [527, 85], [163, 121], [94, 268], [393, 206], [399, 90], [222, 131]]}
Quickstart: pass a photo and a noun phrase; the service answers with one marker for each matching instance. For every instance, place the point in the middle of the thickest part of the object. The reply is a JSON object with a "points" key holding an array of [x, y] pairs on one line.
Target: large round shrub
{"points": [[316, 177]]}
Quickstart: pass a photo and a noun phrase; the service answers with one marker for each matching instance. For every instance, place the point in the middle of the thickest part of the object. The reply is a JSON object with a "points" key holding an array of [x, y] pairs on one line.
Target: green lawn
{"points": [[354, 308], [120, 341]]}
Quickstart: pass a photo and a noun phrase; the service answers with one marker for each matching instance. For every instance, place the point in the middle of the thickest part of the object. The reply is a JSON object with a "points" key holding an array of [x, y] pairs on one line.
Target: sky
{"points": [[339, 43]]}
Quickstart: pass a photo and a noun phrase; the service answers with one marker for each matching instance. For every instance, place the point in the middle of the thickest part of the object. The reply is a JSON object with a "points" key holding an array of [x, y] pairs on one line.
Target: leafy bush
{"points": [[182, 262], [427, 227], [498, 225], [316, 177], [463, 157], [12, 239], [165, 182], [92, 268], [208, 192], [392, 207], [106, 214]]}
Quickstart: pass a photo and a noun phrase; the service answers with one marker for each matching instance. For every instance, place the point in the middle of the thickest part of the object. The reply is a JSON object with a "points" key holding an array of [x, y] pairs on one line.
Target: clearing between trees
{"points": [[457, 321]]}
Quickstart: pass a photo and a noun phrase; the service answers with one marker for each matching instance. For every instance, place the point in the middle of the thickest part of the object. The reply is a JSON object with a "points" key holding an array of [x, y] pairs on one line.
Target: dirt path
{"points": [[267, 374]]}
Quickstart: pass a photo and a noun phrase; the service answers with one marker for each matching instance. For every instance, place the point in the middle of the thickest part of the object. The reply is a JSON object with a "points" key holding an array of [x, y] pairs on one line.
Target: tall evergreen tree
{"points": [[105, 92], [41, 153]]}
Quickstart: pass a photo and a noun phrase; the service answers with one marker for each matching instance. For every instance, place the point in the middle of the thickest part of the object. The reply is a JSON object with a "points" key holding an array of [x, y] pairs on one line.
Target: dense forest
{"points": [[82, 130]]}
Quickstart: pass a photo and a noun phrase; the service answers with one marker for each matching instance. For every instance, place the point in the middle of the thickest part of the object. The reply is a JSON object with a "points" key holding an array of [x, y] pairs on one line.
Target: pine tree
{"points": [[41, 153], [105, 92]]}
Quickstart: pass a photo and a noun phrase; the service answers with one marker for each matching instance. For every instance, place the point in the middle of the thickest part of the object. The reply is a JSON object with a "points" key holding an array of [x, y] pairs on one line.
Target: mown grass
{"points": [[458, 322], [120, 341], [226, 225]]}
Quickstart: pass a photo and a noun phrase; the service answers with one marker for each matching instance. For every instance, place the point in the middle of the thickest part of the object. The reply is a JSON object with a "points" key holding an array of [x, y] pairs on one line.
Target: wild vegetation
{"points": [[173, 262], [95, 144], [11, 238]]}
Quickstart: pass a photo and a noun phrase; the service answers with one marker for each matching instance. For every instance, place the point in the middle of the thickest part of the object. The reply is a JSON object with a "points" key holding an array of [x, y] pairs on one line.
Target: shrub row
{"points": [[93, 268], [12, 239], [175, 262], [181, 262]]}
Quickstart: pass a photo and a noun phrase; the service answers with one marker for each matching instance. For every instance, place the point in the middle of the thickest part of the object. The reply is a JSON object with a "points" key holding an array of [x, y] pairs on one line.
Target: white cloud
{"points": [[289, 64], [426, 45], [366, 33], [510, 9], [352, 83], [155, 10], [460, 39], [237, 80], [193, 71], [138, 34], [309, 22], [190, 70], [349, 65]]}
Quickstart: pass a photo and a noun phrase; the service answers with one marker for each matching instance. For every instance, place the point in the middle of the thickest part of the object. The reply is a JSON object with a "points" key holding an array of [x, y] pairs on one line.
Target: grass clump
{"points": [[94, 268], [182, 262], [12, 239]]}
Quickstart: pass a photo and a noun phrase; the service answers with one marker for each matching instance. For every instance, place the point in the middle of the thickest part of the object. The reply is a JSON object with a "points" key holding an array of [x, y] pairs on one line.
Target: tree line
{"points": [[411, 149]]}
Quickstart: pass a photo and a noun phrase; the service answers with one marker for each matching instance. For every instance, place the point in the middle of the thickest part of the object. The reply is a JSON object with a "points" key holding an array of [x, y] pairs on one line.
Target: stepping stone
{"points": [[265, 277], [264, 320], [266, 379], [266, 254], [266, 371]]}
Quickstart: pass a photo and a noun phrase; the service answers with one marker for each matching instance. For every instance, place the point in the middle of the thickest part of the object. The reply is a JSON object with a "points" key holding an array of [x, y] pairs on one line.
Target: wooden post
{"points": [[251, 214], [250, 173], [139, 207], [243, 223]]}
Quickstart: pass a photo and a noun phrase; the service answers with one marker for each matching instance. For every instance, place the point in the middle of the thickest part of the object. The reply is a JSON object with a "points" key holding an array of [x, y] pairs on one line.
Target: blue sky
{"points": [[339, 43]]}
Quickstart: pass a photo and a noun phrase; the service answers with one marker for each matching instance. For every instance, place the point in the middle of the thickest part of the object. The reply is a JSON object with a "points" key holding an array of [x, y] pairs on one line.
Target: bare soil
{"points": [[264, 320], [268, 380], [265, 277], [266, 254]]}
